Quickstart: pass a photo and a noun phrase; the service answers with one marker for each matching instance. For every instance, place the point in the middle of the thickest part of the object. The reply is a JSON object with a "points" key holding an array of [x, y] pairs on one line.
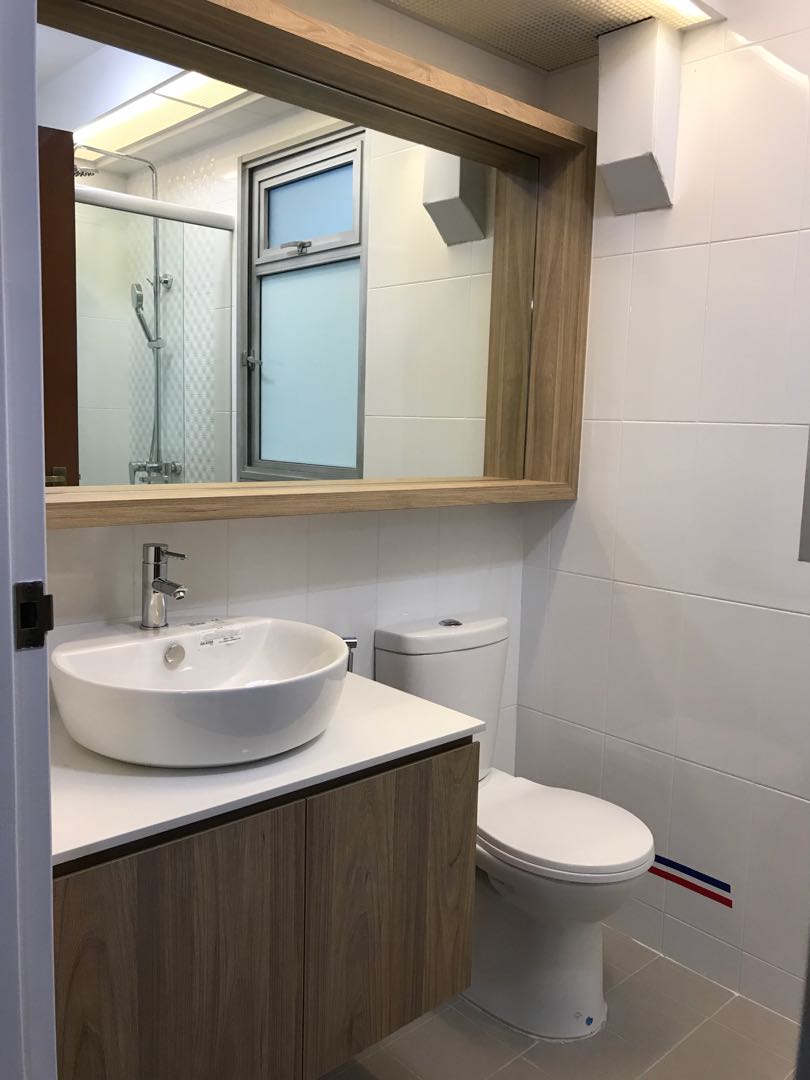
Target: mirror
{"points": [[261, 292]]}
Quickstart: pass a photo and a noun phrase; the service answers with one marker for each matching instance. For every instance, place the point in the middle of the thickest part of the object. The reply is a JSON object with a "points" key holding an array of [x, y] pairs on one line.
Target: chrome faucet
{"points": [[156, 586]]}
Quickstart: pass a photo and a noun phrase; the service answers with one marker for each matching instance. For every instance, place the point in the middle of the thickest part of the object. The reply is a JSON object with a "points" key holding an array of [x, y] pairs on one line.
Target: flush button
{"points": [[175, 654], [450, 622]]}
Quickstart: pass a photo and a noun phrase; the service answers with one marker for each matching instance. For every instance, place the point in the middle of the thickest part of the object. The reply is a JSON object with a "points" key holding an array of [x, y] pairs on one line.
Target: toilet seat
{"points": [[560, 834]]}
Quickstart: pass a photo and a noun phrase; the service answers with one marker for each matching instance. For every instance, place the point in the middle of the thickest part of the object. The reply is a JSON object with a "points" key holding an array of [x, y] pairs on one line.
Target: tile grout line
{"points": [[688, 1035], [630, 974]]}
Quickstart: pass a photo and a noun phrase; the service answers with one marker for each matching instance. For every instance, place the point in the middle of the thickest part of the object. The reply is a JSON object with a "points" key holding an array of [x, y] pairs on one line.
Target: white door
{"points": [[26, 979]]}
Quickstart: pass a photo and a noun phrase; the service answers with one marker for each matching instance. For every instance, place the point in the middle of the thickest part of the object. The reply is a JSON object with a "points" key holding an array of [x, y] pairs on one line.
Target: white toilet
{"points": [[552, 863]]}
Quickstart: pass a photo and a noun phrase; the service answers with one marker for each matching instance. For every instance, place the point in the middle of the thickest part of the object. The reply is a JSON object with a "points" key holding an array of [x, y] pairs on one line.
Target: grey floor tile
{"points": [[665, 977], [603, 1057], [623, 956], [451, 1046], [714, 1051], [414, 1024], [766, 1028], [516, 1040], [643, 1016], [519, 1069], [380, 1065]]}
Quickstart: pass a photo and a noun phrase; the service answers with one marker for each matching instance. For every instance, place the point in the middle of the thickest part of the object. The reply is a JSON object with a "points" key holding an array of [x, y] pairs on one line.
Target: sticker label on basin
{"points": [[220, 637]]}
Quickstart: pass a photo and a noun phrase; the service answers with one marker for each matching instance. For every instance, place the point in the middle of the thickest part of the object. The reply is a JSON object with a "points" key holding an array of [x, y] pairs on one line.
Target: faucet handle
{"points": [[158, 552]]}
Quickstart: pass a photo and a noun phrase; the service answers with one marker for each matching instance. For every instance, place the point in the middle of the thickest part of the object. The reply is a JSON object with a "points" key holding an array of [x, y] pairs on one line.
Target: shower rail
{"points": [[137, 204]]}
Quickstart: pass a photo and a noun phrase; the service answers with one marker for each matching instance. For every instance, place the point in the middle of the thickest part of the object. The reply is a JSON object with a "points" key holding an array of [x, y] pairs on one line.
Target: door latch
{"points": [[250, 362], [33, 614]]}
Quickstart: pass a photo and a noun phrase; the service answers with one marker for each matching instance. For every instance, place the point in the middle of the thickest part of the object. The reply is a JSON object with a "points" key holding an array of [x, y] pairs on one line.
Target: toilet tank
{"points": [[458, 662]]}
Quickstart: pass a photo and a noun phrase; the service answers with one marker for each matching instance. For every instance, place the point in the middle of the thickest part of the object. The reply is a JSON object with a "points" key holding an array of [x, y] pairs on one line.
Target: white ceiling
{"points": [[57, 51], [548, 34], [79, 80]]}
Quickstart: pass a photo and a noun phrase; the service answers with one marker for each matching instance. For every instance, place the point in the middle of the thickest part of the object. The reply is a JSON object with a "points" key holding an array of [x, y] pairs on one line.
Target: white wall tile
{"points": [[349, 612], [717, 703], [105, 292], [409, 560], [709, 830], [471, 537], [267, 567], [420, 359], [534, 600], [539, 520], [103, 368], [758, 84], [665, 345], [753, 368], [703, 41], [503, 757], [751, 20], [644, 666], [104, 446], [400, 446], [653, 517], [701, 952], [744, 515], [582, 538], [607, 337], [404, 244], [380, 144], [689, 219], [613, 234], [640, 780], [771, 987], [779, 866], [640, 921], [782, 759], [343, 550], [91, 574], [558, 754], [564, 666]]}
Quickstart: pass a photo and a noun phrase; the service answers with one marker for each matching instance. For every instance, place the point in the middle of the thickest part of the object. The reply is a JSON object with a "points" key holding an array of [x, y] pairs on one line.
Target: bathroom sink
{"points": [[214, 692]]}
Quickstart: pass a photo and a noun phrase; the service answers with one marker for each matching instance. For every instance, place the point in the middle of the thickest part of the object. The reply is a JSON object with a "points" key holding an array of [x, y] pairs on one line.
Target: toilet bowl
{"points": [[552, 863]]}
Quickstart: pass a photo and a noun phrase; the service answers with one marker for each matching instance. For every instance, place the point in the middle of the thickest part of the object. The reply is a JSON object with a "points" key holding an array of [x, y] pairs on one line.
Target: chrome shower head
{"points": [[136, 295]]}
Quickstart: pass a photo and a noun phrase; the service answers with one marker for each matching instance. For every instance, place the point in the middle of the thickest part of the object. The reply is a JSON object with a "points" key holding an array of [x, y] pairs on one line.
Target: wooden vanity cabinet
{"points": [[276, 946], [390, 885], [186, 960]]}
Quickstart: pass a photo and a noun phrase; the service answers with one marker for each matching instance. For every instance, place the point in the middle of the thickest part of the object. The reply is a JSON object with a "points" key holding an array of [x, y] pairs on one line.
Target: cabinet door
{"points": [[186, 960], [390, 879]]}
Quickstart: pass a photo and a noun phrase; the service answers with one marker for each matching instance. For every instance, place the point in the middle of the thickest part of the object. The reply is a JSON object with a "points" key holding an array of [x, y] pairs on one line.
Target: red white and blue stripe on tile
{"points": [[694, 880]]}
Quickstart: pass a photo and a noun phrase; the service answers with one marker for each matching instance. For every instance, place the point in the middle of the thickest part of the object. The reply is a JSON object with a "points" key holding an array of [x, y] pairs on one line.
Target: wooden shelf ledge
{"points": [[85, 507]]}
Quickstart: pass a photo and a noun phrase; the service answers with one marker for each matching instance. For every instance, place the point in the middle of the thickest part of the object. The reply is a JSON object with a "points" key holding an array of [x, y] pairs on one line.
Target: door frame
{"points": [[26, 974]]}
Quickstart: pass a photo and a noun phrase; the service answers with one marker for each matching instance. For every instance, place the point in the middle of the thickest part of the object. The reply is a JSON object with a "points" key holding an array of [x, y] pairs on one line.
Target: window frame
{"points": [[337, 143]]}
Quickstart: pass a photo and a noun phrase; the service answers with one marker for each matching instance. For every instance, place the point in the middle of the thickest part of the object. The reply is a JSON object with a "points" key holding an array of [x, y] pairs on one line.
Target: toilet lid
{"points": [[558, 833]]}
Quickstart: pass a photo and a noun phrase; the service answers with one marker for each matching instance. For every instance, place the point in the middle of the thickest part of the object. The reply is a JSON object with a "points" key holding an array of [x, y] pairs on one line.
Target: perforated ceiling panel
{"points": [[546, 33]]}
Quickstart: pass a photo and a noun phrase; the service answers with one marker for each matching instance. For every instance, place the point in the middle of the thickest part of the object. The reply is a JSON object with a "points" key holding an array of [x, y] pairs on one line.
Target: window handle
{"points": [[301, 245]]}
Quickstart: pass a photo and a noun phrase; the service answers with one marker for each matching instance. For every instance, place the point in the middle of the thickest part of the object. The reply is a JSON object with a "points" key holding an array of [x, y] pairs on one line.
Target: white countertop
{"points": [[98, 803]]}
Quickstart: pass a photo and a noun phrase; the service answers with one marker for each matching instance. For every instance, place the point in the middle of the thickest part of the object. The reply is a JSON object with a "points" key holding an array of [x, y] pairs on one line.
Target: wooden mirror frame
{"points": [[543, 224]]}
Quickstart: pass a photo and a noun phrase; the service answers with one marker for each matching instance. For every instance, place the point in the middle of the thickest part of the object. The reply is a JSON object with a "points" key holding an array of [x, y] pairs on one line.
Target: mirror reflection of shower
{"points": [[153, 469]]}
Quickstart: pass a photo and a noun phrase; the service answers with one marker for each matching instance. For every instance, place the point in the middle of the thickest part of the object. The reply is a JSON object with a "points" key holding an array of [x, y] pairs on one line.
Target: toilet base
{"points": [[543, 977]]}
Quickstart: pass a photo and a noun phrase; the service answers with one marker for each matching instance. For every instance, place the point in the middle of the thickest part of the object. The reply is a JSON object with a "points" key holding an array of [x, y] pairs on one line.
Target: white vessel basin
{"points": [[217, 692]]}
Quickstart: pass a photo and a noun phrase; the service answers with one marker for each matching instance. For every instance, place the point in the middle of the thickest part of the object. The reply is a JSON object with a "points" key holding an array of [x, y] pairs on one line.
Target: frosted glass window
{"points": [[320, 204], [309, 334]]}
